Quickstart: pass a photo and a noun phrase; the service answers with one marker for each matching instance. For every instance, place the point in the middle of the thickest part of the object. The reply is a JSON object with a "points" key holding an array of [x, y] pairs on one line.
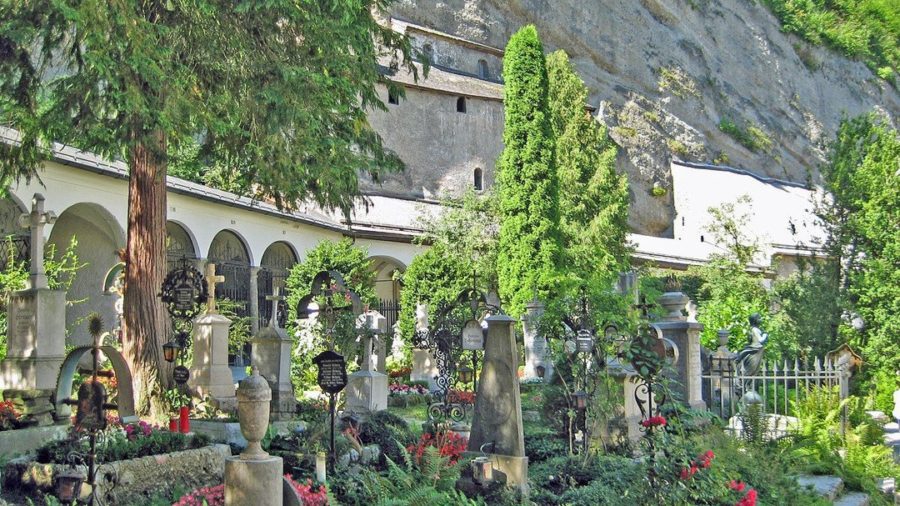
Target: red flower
{"points": [[706, 459], [748, 500], [737, 485], [654, 421]]}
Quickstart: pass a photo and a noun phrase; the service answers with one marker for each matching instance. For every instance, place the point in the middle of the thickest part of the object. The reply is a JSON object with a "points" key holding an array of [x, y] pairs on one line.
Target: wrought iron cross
{"points": [[211, 281], [35, 220], [275, 298], [644, 306]]}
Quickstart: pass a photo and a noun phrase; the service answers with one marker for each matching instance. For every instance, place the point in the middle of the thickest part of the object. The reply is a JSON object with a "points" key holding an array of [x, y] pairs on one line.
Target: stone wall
{"points": [[440, 146]]}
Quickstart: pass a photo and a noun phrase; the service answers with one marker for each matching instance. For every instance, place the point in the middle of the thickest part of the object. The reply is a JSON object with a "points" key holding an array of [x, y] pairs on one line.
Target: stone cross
{"points": [[36, 221], [211, 281], [275, 298]]}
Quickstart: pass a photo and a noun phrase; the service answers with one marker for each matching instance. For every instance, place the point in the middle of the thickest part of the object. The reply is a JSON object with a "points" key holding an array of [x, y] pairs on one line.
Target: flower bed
{"points": [[305, 493]]}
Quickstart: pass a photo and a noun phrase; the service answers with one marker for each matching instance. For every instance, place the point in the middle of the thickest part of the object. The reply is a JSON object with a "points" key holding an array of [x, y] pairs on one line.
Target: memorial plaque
{"points": [[181, 374], [332, 376], [183, 291], [584, 341], [90, 413], [473, 336]]}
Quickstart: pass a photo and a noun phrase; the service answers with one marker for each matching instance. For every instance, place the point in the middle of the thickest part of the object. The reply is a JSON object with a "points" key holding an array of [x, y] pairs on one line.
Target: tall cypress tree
{"points": [[593, 198], [530, 247]]}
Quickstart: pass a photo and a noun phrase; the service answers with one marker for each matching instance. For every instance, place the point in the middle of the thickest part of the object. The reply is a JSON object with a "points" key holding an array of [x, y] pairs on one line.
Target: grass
{"points": [[753, 137], [868, 30]]}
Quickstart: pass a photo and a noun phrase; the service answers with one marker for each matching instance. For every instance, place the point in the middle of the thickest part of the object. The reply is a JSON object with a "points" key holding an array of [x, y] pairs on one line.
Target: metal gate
{"points": [[390, 309]]}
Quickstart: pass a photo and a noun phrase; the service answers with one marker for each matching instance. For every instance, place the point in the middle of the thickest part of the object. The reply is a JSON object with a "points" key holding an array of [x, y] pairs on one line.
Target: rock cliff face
{"points": [[668, 75]]}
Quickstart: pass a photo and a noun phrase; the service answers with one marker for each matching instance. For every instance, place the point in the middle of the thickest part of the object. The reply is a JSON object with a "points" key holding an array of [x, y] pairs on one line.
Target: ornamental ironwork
{"points": [[449, 338], [183, 291]]}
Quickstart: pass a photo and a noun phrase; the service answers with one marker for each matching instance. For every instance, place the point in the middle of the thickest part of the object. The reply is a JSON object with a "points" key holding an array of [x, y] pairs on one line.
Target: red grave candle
{"points": [[184, 421], [173, 425]]}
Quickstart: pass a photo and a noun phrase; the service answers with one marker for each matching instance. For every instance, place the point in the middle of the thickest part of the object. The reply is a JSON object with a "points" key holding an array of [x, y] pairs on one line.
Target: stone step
{"points": [[878, 416], [886, 486], [892, 427], [828, 487], [853, 499]]}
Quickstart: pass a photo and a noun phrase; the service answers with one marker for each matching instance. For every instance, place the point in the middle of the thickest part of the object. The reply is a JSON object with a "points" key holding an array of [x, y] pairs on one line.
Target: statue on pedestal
{"points": [[749, 359]]}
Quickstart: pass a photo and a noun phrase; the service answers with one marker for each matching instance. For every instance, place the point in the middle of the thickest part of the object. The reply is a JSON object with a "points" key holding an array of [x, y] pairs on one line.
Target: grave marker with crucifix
{"points": [[271, 355], [36, 318], [209, 372]]}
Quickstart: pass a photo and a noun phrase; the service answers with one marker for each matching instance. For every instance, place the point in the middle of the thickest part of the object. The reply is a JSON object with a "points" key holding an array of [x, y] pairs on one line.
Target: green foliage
{"points": [[276, 91], [239, 331], [811, 304], [463, 243], [390, 432], [117, 447], [861, 219], [529, 242], [542, 443], [752, 137], [593, 198], [864, 29], [60, 272], [677, 81], [353, 263]]}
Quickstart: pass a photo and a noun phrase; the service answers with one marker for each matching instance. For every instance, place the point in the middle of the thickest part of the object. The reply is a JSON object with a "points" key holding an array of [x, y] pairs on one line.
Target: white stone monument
{"points": [[367, 389], [254, 477], [36, 318], [685, 334], [271, 355], [538, 363], [424, 366], [210, 374]]}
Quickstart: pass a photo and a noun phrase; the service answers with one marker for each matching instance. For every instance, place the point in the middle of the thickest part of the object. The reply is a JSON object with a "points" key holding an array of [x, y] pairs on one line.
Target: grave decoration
{"points": [[90, 416], [456, 330], [183, 291], [328, 287]]}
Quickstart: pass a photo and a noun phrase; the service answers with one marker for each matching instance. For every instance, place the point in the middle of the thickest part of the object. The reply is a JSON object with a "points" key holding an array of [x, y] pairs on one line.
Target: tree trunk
{"points": [[145, 260]]}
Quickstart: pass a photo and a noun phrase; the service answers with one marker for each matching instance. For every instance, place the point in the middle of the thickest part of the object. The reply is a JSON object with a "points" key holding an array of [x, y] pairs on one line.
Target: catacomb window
{"points": [[461, 104], [482, 69], [479, 182]]}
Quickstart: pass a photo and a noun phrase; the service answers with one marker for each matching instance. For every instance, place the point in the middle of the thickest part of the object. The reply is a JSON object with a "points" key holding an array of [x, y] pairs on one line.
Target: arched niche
{"points": [[387, 286], [275, 266], [232, 258], [179, 244], [99, 238], [125, 397]]}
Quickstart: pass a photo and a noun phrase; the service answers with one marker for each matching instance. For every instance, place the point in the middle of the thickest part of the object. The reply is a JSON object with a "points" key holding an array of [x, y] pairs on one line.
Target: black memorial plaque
{"points": [[181, 374], [332, 371], [183, 291]]}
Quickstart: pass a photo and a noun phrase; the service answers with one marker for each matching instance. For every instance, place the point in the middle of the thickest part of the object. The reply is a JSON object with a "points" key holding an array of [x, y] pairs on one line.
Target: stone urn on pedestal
{"points": [[254, 477]]}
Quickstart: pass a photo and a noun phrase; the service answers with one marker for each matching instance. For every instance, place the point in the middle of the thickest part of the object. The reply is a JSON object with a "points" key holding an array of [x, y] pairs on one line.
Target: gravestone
{"points": [[271, 354], [685, 334], [497, 423], [424, 366], [367, 389], [36, 318], [537, 354], [210, 374]]}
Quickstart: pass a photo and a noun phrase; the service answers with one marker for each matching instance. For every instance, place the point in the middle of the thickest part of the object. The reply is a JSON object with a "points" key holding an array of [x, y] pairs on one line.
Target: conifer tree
{"points": [[593, 198], [529, 243], [278, 90]]}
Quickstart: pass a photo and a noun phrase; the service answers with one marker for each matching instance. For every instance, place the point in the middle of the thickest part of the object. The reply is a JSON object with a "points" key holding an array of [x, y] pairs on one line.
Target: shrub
{"points": [[543, 443], [390, 432], [140, 441], [448, 444], [9, 417]]}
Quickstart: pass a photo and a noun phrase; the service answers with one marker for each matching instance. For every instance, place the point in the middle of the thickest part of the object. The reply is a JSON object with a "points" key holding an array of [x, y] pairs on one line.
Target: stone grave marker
{"points": [[424, 367], [497, 423], [537, 353], [36, 319], [209, 372], [367, 389], [686, 336], [271, 354]]}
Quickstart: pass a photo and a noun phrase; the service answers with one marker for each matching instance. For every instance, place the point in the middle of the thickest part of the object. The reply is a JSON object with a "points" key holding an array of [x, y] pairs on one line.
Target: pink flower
{"points": [[748, 500], [737, 485]]}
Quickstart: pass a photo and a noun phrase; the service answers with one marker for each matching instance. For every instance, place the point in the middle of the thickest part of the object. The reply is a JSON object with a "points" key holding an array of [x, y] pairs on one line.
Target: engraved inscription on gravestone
{"points": [[24, 322], [332, 376], [473, 336]]}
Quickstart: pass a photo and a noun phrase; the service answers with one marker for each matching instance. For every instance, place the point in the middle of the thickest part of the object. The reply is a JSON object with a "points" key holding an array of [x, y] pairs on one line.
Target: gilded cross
{"points": [[35, 220], [275, 298], [211, 281]]}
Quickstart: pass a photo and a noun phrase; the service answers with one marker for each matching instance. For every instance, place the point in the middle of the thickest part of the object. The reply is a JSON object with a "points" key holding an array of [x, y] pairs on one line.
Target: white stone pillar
{"points": [[210, 374]]}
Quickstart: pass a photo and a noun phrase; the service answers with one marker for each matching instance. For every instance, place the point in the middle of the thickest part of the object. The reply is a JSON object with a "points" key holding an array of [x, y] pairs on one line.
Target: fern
{"points": [[406, 484]]}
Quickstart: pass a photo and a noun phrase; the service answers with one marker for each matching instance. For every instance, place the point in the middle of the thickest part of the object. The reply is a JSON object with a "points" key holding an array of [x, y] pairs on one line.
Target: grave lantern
{"points": [[584, 341], [482, 470], [466, 374], [581, 399], [170, 350], [68, 486]]}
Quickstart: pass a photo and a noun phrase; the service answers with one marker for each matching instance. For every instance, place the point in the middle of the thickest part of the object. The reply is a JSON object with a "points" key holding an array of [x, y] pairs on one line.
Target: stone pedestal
{"points": [[537, 353], [626, 423], [424, 367], [271, 355], [253, 482], [36, 339], [367, 392], [210, 374], [686, 336], [497, 422]]}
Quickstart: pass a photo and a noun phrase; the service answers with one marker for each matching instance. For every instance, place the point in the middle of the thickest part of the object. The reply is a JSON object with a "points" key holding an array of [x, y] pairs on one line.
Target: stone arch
{"points": [[231, 255], [483, 71], [461, 104], [275, 266], [99, 238], [180, 243], [125, 397], [387, 288]]}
